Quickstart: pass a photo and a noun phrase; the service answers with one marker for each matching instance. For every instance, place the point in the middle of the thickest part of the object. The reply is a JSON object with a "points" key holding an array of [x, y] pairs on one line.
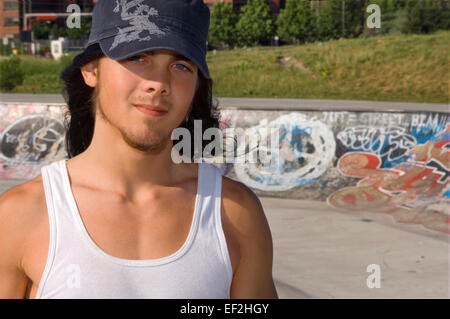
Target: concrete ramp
{"points": [[394, 163]]}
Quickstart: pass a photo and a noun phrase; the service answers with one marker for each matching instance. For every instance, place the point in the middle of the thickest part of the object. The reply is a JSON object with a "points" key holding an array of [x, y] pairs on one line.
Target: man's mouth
{"points": [[152, 107], [151, 110]]}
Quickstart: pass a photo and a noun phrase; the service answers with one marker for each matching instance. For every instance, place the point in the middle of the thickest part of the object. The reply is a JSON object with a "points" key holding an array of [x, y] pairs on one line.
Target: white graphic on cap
{"points": [[139, 22]]}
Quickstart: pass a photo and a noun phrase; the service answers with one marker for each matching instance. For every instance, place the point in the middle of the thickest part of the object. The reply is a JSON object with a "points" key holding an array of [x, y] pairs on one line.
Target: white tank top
{"points": [[77, 268]]}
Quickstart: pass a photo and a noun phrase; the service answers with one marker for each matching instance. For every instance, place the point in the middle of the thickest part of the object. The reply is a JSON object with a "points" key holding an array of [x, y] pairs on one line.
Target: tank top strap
{"points": [[210, 182], [56, 190], [61, 221], [210, 224]]}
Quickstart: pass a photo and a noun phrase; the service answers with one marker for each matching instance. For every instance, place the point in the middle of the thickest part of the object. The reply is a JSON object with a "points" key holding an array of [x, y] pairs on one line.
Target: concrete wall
{"points": [[31, 135], [395, 163]]}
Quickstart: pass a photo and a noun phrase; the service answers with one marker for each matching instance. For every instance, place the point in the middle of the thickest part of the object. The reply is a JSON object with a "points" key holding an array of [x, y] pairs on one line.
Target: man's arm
{"points": [[13, 281], [244, 214]]}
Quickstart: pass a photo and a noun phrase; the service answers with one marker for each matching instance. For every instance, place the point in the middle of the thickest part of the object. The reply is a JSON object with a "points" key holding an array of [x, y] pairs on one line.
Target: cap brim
{"points": [[89, 54], [176, 43]]}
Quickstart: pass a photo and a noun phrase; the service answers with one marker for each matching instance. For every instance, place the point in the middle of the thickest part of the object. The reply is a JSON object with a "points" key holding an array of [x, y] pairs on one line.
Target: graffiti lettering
{"points": [[29, 141], [390, 143]]}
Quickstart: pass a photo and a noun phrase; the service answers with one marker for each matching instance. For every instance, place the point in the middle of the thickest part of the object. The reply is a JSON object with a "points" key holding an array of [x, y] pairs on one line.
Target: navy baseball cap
{"points": [[124, 28]]}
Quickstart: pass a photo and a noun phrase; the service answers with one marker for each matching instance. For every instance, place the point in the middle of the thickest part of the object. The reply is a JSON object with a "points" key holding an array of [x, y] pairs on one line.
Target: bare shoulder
{"points": [[245, 222], [21, 216], [30, 192], [22, 207], [244, 211]]}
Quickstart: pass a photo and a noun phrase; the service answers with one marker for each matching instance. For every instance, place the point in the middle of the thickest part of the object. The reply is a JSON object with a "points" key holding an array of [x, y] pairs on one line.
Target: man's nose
{"points": [[157, 81]]}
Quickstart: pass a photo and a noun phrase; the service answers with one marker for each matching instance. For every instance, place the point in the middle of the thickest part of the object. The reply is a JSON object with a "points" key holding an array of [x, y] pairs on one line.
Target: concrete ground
{"points": [[323, 253]]}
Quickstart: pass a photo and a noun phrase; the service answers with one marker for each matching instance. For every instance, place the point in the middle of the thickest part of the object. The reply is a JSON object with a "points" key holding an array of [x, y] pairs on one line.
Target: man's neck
{"points": [[122, 169]]}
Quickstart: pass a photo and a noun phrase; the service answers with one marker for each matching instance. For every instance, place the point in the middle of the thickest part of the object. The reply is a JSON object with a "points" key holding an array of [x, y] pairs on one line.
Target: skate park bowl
{"points": [[387, 159]]}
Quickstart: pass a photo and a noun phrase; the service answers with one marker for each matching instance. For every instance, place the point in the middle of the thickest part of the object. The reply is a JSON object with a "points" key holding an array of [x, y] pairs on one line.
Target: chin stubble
{"points": [[153, 146]]}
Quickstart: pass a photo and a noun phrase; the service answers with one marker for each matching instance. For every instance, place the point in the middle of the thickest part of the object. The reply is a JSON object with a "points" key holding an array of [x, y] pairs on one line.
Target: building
{"points": [[9, 19], [12, 12]]}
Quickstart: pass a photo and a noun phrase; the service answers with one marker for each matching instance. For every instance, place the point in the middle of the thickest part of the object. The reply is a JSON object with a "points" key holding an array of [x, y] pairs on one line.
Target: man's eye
{"points": [[185, 68], [140, 59]]}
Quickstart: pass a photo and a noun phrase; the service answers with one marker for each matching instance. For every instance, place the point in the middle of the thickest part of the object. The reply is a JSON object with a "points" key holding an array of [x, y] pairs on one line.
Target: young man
{"points": [[120, 219]]}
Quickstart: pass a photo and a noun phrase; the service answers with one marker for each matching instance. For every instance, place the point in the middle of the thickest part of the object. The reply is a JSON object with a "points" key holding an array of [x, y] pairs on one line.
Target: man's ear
{"points": [[90, 73]]}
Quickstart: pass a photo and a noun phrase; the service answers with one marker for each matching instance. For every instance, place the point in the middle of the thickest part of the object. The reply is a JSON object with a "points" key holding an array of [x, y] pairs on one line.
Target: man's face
{"points": [[128, 89]]}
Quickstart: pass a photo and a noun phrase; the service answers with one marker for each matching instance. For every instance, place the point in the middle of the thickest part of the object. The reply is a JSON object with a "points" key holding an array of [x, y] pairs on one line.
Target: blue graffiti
{"points": [[392, 144], [425, 127], [269, 180]]}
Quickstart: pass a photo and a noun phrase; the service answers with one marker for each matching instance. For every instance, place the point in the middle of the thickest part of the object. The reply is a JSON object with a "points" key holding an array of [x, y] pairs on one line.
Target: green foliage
{"points": [[41, 29], [393, 22], [393, 17], [297, 22], [5, 50], [11, 74], [333, 24], [328, 25], [412, 16], [341, 19], [354, 18], [256, 23], [222, 30], [45, 29], [43, 49], [426, 16], [80, 33], [66, 60]]}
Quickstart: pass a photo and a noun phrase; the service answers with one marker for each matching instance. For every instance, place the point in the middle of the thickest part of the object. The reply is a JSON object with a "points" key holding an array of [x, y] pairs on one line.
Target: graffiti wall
{"points": [[31, 135], [382, 162], [392, 163]]}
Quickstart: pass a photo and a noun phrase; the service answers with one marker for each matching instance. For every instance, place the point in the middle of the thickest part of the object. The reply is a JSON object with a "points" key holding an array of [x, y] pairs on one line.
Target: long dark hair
{"points": [[81, 99]]}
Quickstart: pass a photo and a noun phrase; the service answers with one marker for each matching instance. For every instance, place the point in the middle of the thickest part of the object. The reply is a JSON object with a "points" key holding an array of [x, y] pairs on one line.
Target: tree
{"points": [[11, 74], [41, 29], [297, 22], [445, 15], [425, 16], [222, 28], [342, 19], [80, 33], [256, 23], [354, 18], [329, 21]]}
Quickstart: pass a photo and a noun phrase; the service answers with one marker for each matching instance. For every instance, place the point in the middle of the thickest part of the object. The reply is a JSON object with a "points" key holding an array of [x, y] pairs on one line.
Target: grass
{"points": [[42, 75], [413, 68], [409, 68]]}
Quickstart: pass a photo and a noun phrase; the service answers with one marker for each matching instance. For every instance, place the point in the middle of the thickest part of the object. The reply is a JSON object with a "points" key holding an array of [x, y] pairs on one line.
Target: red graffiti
{"points": [[389, 190]]}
